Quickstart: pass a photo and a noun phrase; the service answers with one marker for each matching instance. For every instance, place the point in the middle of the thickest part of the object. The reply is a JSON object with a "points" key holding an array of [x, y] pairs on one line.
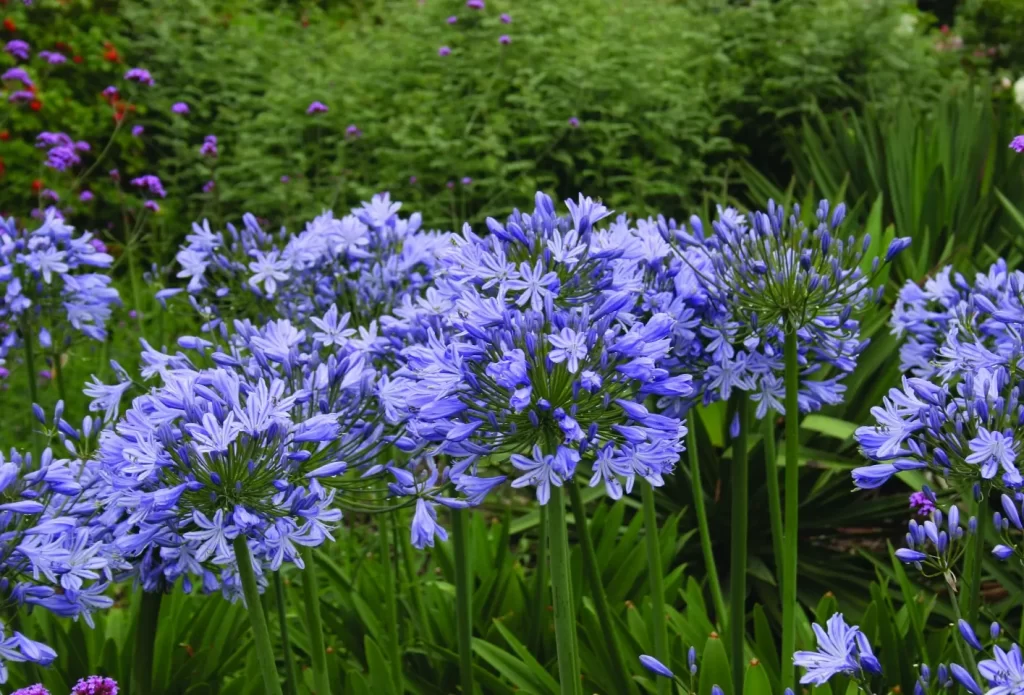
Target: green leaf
{"points": [[714, 667], [756, 681]]}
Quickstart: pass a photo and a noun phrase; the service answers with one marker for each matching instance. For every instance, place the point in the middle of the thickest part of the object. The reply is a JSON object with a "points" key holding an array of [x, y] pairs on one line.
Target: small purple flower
{"points": [[98, 245], [140, 75], [132, 314], [466, 181], [17, 74], [444, 51], [1017, 144], [208, 186], [285, 179], [453, 19], [475, 4], [504, 39], [4, 372], [209, 148], [137, 131], [412, 180], [353, 131], [17, 48], [21, 96], [316, 107], [52, 58], [179, 107], [150, 183], [115, 174], [506, 18], [45, 374], [450, 185], [95, 685], [920, 502], [151, 205], [110, 92], [49, 194], [574, 122], [36, 689]]}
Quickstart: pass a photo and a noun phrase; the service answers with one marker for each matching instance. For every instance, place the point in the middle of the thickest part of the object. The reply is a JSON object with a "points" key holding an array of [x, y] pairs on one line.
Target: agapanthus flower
{"points": [[254, 444], [17, 48], [752, 280], [18, 75], [51, 275], [209, 147], [140, 75], [842, 650], [17, 648], [367, 265], [150, 184], [540, 362], [179, 107], [1004, 672], [316, 107], [52, 57], [656, 667], [936, 545]]}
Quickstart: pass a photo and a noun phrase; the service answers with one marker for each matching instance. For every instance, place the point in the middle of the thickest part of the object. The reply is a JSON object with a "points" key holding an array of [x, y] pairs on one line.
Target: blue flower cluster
{"points": [[842, 650], [547, 362], [938, 548], [49, 284], [368, 264], [959, 412], [254, 440], [57, 549]]}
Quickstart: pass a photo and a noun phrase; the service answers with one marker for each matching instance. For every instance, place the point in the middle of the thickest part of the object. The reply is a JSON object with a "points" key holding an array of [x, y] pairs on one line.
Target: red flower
{"points": [[35, 105], [9, 25], [5, 135], [111, 55], [3, 169], [77, 59], [944, 28], [37, 185], [61, 46]]}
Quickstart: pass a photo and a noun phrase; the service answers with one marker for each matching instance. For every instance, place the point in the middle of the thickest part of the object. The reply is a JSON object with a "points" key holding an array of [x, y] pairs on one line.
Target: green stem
{"points": [[145, 640], [540, 583], [286, 643], [136, 292], [774, 496], [58, 373], [258, 622], [30, 368], [656, 577], [623, 683], [976, 556], [561, 593], [792, 490], [710, 568], [738, 563], [463, 597], [390, 605], [314, 625], [966, 654]]}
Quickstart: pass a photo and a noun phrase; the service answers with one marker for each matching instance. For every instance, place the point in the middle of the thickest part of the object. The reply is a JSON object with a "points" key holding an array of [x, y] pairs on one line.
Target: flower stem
{"points": [[976, 556], [145, 639], [314, 625], [792, 492], [710, 568], [774, 496], [30, 369], [623, 683], [656, 577], [286, 644], [561, 592], [966, 654], [738, 562], [258, 622], [540, 583], [463, 597], [58, 374], [390, 604]]}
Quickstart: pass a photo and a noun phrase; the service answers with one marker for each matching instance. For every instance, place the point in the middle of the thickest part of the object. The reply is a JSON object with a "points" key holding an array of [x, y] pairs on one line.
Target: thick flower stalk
{"points": [[368, 264], [252, 444]]}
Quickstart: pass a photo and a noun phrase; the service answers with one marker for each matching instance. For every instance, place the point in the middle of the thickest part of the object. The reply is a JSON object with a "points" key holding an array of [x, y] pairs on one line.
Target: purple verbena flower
{"points": [[180, 107], [17, 48], [139, 75], [316, 107]]}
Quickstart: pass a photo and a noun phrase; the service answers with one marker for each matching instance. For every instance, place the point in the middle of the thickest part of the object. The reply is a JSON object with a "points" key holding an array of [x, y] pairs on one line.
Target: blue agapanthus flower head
{"points": [[842, 650], [1004, 671], [545, 361], [253, 440], [936, 545], [48, 276], [368, 264]]}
